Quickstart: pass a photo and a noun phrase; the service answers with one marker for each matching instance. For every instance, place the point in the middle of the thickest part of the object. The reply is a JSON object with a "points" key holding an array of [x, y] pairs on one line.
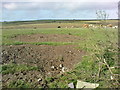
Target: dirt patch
{"points": [[52, 60], [47, 38], [33, 77], [36, 54]]}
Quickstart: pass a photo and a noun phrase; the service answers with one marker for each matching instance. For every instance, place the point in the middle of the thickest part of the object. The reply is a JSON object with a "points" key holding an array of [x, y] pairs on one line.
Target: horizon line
{"points": [[54, 19]]}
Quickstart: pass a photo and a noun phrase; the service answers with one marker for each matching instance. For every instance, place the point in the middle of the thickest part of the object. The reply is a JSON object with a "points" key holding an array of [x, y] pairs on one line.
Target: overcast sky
{"points": [[16, 10]]}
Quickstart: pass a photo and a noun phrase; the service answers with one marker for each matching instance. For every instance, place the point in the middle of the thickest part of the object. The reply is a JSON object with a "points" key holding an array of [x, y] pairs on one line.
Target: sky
{"points": [[21, 10]]}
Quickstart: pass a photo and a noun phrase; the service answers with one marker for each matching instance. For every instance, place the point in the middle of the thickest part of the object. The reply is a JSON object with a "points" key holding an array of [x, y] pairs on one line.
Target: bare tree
{"points": [[102, 16]]}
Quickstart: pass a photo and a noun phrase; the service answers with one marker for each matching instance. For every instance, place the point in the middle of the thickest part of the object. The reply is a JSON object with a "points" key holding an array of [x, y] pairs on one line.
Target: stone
{"points": [[61, 65], [71, 85], [111, 77], [52, 67], [40, 79], [70, 51], [81, 84], [64, 69]]}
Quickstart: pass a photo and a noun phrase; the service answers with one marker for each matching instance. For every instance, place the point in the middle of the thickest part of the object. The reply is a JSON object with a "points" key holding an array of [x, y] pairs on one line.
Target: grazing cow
{"points": [[104, 26], [101, 26], [35, 27], [115, 27], [66, 27], [59, 26], [110, 25], [85, 26], [95, 26], [91, 26]]}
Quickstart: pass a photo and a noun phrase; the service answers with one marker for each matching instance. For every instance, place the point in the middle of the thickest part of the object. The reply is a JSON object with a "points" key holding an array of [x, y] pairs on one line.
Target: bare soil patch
{"points": [[52, 60], [47, 38]]}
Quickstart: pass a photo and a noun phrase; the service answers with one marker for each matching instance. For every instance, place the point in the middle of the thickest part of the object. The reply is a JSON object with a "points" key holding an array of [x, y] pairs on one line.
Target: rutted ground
{"points": [[51, 61]]}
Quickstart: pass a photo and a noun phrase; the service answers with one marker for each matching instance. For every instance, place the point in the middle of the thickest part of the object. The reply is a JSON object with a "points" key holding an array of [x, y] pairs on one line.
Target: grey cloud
{"points": [[70, 6]]}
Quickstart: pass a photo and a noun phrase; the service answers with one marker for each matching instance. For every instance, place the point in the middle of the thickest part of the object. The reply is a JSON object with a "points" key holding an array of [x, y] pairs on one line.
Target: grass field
{"points": [[100, 45]]}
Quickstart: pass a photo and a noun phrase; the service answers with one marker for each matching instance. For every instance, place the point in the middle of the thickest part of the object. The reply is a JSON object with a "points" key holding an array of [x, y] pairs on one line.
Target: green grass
{"points": [[52, 43], [39, 43], [12, 68], [19, 84], [87, 70], [91, 37], [83, 71]]}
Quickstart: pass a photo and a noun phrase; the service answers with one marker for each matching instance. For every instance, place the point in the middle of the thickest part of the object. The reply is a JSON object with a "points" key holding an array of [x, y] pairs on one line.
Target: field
{"points": [[37, 54]]}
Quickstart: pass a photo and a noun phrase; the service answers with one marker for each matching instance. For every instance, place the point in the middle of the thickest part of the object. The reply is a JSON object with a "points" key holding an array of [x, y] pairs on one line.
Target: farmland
{"points": [[34, 54]]}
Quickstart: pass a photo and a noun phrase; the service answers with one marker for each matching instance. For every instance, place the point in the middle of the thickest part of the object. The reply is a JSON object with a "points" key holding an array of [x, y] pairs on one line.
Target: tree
{"points": [[102, 16]]}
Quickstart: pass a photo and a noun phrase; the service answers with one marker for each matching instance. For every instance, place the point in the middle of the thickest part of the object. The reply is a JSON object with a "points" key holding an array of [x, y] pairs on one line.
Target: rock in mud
{"points": [[64, 69], [61, 65], [40, 79], [81, 84], [52, 67], [71, 85]]}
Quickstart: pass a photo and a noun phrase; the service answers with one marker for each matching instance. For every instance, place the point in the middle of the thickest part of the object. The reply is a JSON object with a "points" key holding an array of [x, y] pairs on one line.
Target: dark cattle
{"points": [[35, 27], [59, 26]]}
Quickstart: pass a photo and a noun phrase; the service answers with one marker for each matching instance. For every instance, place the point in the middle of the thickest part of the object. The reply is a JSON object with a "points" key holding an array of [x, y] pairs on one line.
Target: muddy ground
{"points": [[51, 60]]}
